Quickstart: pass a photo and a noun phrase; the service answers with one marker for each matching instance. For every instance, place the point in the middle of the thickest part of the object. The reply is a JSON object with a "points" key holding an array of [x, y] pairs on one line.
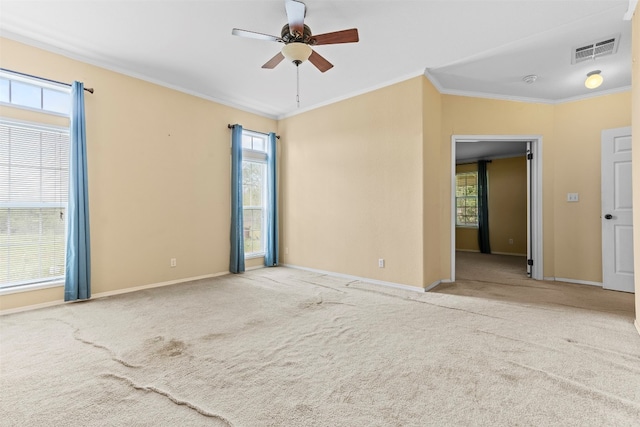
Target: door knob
{"points": [[608, 216]]}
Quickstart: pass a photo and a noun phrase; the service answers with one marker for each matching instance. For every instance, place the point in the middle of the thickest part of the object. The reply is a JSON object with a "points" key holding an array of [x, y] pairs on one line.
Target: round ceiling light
{"points": [[594, 79], [296, 52], [530, 78]]}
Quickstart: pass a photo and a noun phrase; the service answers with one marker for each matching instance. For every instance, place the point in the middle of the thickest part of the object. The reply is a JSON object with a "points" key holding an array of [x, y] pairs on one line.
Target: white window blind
{"points": [[34, 179]]}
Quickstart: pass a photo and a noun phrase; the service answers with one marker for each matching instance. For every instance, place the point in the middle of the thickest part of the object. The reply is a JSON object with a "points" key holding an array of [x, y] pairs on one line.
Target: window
{"points": [[22, 92], [254, 200], [467, 199], [34, 176]]}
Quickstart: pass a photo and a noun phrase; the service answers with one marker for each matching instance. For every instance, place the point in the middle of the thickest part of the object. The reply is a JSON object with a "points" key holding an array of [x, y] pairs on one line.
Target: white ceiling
{"points": [[472, 151], [465, 47]]}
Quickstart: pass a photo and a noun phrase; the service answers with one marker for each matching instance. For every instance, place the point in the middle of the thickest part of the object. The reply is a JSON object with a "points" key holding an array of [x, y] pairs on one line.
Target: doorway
{"points": [[532, 144]]}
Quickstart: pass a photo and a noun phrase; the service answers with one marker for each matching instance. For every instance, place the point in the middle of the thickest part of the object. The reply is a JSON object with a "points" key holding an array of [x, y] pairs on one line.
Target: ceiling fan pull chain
{"points": [[298, 84]]}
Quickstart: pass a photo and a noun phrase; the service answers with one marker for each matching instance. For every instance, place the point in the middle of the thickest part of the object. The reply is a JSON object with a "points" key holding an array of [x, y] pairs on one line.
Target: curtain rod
{"points": [[88, 89], [471, 163], [230, 126]]}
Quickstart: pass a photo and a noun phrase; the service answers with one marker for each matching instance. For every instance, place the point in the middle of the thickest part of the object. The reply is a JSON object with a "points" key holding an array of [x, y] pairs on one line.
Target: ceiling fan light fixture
{"points": [[296, 52], [594, 79]]}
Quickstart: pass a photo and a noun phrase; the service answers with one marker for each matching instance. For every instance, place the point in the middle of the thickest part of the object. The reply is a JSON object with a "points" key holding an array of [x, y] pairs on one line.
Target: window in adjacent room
{"points": [[254, 200], [34, 179], [467, 199]]}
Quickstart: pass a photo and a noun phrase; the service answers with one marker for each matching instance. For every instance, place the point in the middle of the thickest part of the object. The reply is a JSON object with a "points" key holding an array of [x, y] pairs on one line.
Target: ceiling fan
{"points": [[298, 39]]}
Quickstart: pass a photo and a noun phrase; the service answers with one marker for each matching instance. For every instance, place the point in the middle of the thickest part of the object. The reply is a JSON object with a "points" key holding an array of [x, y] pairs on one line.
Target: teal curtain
{"points": [[271, 243], [236, 261], [483, 209], [77, 281]]}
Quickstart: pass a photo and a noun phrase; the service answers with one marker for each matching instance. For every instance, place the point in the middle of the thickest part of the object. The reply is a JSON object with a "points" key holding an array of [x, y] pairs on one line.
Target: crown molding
{"points": [[502, 97], [120, 70], [257, 111], [630, 10]]}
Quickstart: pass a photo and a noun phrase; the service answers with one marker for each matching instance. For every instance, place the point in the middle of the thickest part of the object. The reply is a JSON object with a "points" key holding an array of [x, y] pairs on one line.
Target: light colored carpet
{"points": [[284, 347]]}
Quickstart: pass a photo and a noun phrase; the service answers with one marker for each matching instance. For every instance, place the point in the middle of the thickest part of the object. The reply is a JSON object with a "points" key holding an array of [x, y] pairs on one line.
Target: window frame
{"points": [[42, 85], [46, 121], [43, 282], [465, 197], [252, 155]]}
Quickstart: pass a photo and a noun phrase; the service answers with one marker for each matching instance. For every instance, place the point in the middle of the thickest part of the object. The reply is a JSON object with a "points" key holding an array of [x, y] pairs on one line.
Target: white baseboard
{"points": [[156, 285], [31, 307], [111, 293], [436, 283], [362, 279], [475, 251], [507, 253], [579, 282]]}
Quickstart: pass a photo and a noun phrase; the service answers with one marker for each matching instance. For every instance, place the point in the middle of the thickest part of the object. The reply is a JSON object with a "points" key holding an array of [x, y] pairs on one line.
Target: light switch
{"points": [[572, 197]]}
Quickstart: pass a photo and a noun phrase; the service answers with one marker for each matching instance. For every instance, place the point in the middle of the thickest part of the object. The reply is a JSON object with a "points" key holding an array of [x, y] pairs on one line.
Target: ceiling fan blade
{"points": [[344, 36], [254, 35], [319, 61], [274, 61], [295, 14]]}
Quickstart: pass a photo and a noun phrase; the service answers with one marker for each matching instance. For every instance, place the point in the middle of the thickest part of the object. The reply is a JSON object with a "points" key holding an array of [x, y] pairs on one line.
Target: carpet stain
{"points": [[304, 410], [311, 304], [510, 378], [159, 346], [214, 336], [172, 348]]}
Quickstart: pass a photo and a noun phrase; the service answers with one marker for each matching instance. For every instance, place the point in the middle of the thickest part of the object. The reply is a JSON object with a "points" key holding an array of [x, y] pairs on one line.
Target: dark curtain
{"points": [[483, 209]]}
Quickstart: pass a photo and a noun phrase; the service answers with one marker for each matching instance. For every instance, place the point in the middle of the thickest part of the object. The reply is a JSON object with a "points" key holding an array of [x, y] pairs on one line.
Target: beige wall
{"points": [[508, 205], [375, 117], [436, 241], [478, 116], [578, 126], [571, 163], [159, 178], [351, 186], [507, 208], [361, 179], [636, 156]]}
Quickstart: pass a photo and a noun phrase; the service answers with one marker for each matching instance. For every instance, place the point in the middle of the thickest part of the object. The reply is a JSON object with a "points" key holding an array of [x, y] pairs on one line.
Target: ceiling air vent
{"points": [[595, 50]]}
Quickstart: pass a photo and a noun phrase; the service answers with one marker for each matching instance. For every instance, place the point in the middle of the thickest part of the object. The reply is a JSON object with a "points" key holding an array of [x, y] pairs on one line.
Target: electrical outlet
{"points": [[511, 241], [173, 262], [572, 197], [381, 263], [286, 251]]}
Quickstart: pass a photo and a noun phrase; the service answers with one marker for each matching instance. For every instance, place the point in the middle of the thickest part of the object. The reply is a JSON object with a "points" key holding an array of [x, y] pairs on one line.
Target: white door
{"points": [[617, 227]]}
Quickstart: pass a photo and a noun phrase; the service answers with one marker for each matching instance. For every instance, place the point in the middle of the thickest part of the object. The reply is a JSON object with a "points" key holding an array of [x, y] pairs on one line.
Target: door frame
{"points": [[534, 203]]}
